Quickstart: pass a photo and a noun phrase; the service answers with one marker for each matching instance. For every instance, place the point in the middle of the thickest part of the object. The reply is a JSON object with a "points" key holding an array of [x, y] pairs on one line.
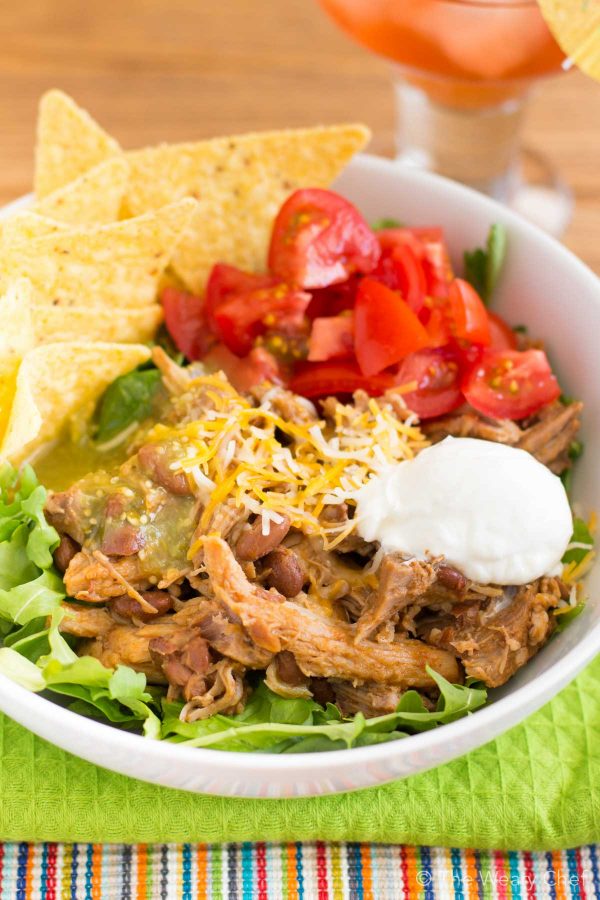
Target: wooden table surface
{"points": [[152, 70]]}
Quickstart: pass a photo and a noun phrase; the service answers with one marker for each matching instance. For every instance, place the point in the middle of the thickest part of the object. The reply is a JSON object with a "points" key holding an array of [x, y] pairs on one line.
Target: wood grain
{"points": [[153, 70]]}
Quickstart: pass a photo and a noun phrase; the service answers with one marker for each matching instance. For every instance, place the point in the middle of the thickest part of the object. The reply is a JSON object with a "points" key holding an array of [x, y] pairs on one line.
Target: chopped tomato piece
{"points": [[331, 337], [385, 328], [333, 300], [429, 246], [401, 270], [320, 379], [245, 373], [509, 384], [437, 374], [226, 281], [242, 317], [319, 238], [468, 315], [502, 337], [185, 318]]}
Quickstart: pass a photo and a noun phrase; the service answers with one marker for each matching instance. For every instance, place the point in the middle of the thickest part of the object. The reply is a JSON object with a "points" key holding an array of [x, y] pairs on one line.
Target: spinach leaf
{"points": [[127, 400]]}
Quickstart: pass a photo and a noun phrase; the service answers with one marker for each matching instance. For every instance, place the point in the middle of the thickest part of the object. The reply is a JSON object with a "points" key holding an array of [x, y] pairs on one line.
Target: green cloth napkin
{"points": [[536, 787]]}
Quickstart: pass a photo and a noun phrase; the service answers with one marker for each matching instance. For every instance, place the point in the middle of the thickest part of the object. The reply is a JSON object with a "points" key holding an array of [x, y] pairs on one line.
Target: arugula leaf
{"points": [[129, 399], [276, 725], [382, 224], [581, 535], [482, 267]]}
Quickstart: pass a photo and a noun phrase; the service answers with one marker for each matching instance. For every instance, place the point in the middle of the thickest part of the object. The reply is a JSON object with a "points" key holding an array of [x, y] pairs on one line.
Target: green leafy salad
{"points": [[38, 656]]}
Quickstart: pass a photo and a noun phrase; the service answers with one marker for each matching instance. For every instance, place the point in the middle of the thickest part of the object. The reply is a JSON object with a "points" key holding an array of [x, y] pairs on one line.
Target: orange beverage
{"points": [[467, 52], [462, 73]]}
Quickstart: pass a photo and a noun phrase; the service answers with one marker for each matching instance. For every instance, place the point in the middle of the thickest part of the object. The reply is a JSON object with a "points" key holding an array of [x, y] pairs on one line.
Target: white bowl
{"points": [[543, 286]]}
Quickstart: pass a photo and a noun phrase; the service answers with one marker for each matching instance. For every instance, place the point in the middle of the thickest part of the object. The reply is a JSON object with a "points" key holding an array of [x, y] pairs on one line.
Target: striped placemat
{"points": [[315, 871]]}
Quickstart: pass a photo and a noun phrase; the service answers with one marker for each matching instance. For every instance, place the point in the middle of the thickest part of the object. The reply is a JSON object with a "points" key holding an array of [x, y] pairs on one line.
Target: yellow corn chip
{"points": [[92, 199], [576, 26], [59, 323], [114, 266], [239, 183], [57, 380], [25, 226], [16, 339], [69, 142]]}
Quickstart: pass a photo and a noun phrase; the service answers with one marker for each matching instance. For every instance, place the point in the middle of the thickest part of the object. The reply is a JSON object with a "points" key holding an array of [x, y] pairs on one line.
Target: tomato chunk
{"points": [[254, 305], [319, 239], [185, 318], [321, 379], [400, 269], [226, 281], [385, 328], [509, 384], [331, 337], [468, 315], [245, 373], [437, 373], [502, 337], [429, 247], [333, 300]]}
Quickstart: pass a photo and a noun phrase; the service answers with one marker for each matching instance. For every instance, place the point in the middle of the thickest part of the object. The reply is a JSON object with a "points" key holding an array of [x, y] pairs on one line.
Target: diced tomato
{"points": [[333, 300], [437, 373], [320, 379], [400, 270], [331, 337], [245, 373], [502, 337], [185, 318], [226, 281], [509, 384], [385, 328], [468, 315], [242, 317], [319, 238], [429, 247]]}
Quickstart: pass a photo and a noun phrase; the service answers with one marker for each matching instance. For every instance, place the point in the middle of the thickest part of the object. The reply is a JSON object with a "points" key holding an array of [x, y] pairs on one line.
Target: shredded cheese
{"points": [[274, 468]]}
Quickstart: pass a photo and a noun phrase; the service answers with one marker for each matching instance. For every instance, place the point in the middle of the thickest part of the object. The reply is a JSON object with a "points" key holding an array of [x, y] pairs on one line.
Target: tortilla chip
{"points": [[240, 183], [56, 381], [116, 266], [57, 323], [92, 199], [69, 142], [16, 339], [576, 27], [26, 225]]}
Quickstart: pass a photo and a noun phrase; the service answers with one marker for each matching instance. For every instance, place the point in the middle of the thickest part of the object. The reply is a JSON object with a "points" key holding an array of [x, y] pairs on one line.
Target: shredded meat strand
{"points": [[320, 646]]}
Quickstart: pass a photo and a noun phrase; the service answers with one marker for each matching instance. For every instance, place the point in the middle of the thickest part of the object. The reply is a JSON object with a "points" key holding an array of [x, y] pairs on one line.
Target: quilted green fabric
{"points": [[536, 787]]}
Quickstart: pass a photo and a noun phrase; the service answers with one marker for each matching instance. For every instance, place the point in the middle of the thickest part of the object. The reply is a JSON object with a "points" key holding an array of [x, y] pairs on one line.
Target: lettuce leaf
{"points": [[277, 725]]}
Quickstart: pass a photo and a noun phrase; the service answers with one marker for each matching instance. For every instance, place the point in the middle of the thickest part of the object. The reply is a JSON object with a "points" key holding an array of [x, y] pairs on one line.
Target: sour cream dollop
{"points": [[494, 512]]}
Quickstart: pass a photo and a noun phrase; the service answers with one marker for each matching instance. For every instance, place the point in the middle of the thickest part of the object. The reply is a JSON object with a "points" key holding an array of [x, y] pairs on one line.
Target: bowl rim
{"points": [[515, 705]]}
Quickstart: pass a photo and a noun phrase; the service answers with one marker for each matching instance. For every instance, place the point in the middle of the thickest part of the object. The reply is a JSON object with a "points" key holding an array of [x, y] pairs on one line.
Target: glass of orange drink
{"points": [[463, 71]]}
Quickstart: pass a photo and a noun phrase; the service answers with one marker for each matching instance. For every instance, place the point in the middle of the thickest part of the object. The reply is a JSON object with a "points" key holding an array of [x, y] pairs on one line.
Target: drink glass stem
{"points": [[477, 145]]}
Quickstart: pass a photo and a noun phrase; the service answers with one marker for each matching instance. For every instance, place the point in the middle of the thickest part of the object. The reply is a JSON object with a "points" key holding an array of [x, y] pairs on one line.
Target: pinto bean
{"points": [[288, 670], [253, 544], [153, 459], [121, 539], [128, 608], [451, 578], [287, 574], [64, 553]]}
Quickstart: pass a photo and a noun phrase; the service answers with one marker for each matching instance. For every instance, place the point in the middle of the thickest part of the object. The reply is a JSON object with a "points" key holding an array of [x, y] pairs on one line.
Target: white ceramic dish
{"points": [[544, 286]]}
